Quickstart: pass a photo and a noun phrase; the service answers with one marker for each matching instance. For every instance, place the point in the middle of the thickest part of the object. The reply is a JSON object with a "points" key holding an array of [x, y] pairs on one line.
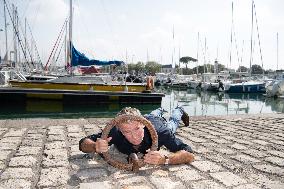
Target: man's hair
{"points": [[129, 111]]}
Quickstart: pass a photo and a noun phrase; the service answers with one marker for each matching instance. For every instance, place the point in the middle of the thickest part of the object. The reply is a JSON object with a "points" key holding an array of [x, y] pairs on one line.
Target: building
{"points": [[167, 69]]}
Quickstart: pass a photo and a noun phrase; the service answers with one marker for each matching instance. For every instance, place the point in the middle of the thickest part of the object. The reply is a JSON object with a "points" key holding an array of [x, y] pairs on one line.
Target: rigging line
{"points": [[260, 51], [21, 28], [35, 45], [62, 44], [236, 45], [57, 41], [15, 30]]}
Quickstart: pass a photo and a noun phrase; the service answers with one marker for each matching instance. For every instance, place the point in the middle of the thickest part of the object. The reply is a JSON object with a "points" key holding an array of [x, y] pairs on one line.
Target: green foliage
{"points": [[152, 67], [242, 69], [186, 60], [256, 69]]}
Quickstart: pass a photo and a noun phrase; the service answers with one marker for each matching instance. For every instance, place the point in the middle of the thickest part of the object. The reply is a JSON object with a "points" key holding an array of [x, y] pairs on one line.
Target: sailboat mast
{"points": [[277, 50], [6, 40], [250, 62], [70, 35]]}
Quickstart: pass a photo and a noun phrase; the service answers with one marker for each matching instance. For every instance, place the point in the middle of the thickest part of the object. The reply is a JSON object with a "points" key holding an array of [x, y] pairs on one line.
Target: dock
{"points": [[234, 152]]}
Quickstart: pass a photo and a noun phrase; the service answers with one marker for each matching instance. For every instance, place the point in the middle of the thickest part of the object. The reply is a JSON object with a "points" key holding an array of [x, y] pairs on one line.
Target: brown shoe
{"points": [[185, 118]]}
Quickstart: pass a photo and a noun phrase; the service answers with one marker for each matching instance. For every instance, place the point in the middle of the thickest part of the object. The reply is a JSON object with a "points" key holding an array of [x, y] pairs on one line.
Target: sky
{"points": [[160, 30]]}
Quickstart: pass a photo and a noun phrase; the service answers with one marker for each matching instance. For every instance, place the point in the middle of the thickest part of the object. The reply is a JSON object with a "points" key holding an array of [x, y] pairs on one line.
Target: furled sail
{"points": [[79, 58]]}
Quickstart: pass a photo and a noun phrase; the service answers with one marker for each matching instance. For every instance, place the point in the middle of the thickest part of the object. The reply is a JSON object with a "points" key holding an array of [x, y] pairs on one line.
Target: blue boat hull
{"points": [[254, 88]]}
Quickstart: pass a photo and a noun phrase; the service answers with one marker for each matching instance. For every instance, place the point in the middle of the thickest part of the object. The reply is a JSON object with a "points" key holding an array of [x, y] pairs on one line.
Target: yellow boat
{"points": [[81, 83]]}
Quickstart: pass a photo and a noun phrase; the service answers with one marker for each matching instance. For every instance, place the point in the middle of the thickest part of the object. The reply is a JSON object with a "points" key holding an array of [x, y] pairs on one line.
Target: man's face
{"points": [[133, 132]]}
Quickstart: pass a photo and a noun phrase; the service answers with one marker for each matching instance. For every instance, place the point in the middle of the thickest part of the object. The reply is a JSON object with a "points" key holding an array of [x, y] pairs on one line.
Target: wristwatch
{"points": [[167, 160]]}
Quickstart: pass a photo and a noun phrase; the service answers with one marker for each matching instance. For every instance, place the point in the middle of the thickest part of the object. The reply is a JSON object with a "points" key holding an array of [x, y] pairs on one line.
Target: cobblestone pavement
{"points": [[236, 152]]}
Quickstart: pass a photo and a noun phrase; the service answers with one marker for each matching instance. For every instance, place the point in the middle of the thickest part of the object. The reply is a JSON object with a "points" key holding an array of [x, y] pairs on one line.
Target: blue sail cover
{"points": [[80, 59]]}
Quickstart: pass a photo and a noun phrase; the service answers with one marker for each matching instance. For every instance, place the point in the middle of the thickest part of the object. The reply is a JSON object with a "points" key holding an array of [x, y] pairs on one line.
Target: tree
{"points": [[242, 69], [186, 60], [256, 69], [139, 67], [152, 67]]}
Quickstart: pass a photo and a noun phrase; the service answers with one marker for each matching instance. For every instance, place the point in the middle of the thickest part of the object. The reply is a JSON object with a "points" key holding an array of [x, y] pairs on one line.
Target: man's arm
{"points": [[179, 157], [87, 145]]}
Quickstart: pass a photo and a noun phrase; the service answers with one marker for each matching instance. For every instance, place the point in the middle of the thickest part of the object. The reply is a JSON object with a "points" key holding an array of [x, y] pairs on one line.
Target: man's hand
{"points": [[154, 158], [89, 146], [102, 145]]}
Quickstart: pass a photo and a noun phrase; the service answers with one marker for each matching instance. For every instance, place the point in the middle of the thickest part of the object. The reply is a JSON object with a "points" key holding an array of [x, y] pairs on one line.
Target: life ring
{"points": [[150, 83], [122, 119]]}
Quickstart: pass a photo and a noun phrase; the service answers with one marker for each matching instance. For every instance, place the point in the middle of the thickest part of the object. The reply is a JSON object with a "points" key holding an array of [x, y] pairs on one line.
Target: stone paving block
{"points": [[15, 132], [188, 175], [228, 178], [279, 142], [74, 128], [55, 157], [245, 159], [207, 166], [56, 132], [96, 185], [173, 168], [85, 163], [2, 165], [210, 145], [16, 183], [28, 150], [51, 138], [4, 155], [270, 169], [137, 187], [226, 151], [261, 142], [241, 141], [255, 153], [206, 184], [76, 135], [276, 153], [53, 177], [30, 142], [239, 146], [17, 173], [75, 153], [166, 183], [55, 145], [247, 186], [202, 150], [265, 182], [91, 174], [275, 160], [14, 140], [23, 161], [35, 136]]}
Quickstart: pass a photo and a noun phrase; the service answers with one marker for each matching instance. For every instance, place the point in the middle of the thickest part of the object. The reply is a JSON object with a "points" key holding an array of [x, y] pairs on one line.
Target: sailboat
{"points": [[247, 86], [98, 82]]}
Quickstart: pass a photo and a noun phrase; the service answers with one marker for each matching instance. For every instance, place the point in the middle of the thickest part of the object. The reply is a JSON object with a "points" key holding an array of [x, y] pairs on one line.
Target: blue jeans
{"points": [[174, 119]]}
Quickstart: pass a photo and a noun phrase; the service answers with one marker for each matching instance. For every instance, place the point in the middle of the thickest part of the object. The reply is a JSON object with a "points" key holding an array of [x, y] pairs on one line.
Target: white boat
{"points": [[276, 87]]}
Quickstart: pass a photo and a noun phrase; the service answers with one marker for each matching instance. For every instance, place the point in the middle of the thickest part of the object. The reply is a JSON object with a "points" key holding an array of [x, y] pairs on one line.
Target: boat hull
{"points": [[78, 86], [80, 97]]}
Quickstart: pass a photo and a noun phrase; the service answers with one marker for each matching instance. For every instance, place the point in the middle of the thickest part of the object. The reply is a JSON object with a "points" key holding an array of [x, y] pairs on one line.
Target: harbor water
{"points": [[196, 103]]}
